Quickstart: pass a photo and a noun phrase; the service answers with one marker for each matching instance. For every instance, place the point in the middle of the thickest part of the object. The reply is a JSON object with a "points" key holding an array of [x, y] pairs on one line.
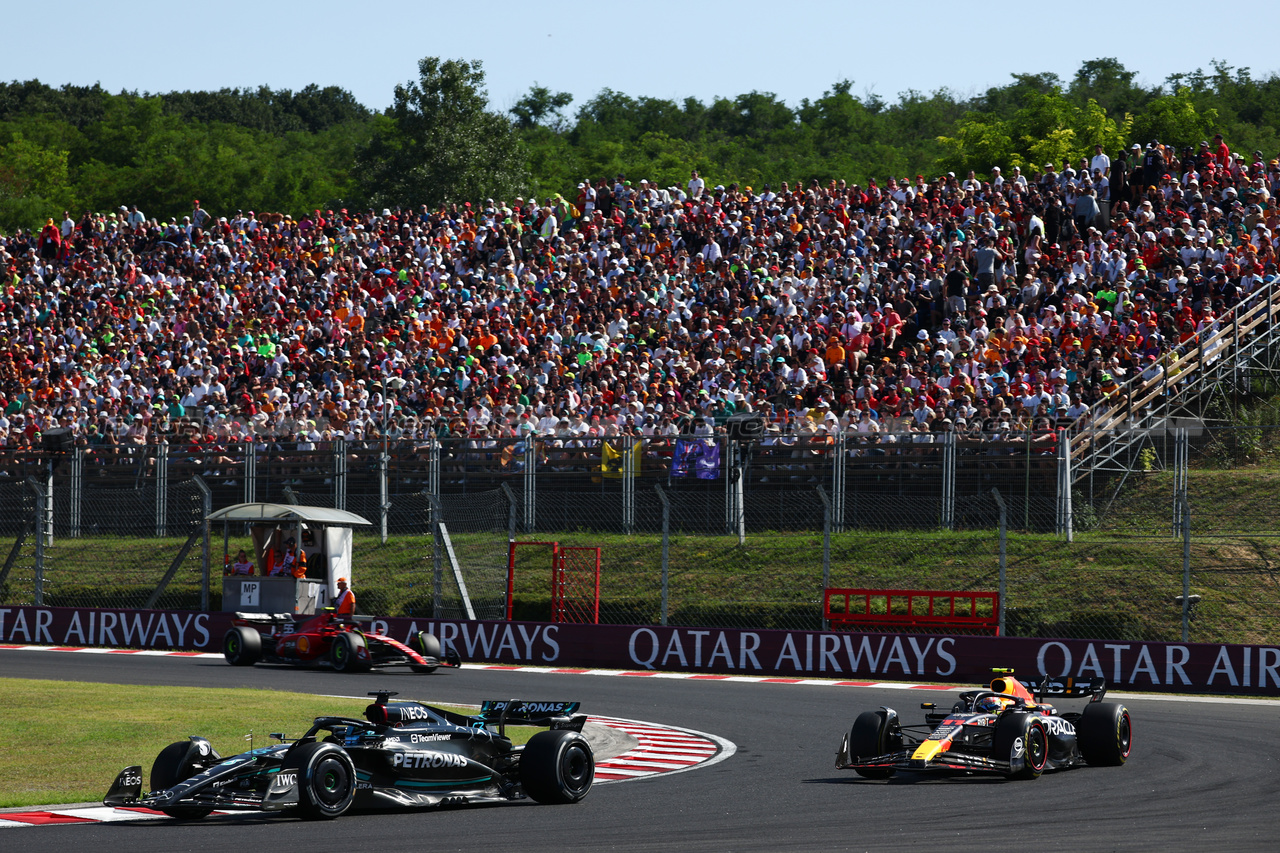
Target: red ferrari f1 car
{"points": [[328, 640], [1008, 729]]}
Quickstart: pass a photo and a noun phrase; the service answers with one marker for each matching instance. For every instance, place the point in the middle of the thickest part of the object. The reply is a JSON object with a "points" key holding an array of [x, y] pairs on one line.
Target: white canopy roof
{"points": [[288, 514]]}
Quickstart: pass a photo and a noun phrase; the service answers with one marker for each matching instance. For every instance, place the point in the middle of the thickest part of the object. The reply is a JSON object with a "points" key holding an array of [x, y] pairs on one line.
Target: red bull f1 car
{"points": [[402, 755], [1008, 729], [328, 640]]}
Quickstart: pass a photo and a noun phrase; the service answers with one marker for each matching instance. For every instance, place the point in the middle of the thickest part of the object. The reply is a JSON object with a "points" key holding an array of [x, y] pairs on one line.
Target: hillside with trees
{"points": [[83, 148]]}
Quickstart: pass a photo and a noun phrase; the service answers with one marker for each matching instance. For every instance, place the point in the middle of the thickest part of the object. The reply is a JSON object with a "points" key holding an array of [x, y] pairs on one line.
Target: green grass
{"points": [[64, 742]]}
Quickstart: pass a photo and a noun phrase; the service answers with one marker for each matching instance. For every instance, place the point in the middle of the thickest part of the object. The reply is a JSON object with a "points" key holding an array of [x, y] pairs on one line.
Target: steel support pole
{"points": [[206, 507], [1004, 542], [666, 550], [77, 491], [826, 548], [1186, 568]]}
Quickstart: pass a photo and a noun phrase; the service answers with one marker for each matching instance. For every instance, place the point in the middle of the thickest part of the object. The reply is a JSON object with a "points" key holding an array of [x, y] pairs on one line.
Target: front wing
{"points": [[953, 759], [216, 788]]}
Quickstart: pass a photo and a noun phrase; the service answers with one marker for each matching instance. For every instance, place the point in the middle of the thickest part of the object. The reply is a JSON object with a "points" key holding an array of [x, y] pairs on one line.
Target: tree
{"points": [[1108, 82], [541, 106], [440, 143], [33, 181], [1173, 119]]}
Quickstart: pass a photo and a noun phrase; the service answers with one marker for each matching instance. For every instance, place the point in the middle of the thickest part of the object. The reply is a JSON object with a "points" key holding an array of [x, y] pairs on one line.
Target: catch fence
{"points": [[1181, 545]]}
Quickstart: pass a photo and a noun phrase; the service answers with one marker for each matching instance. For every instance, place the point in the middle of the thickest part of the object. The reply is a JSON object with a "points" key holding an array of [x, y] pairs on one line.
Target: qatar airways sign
{"points": [[844, 656]]}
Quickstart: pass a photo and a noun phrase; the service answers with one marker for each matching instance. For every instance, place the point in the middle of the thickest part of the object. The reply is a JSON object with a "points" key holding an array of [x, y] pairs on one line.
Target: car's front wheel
{"points": [[427, 645], [177, 763], [869, 738], [326, 779], [349, 653], [557, 767], [1021, 740]]}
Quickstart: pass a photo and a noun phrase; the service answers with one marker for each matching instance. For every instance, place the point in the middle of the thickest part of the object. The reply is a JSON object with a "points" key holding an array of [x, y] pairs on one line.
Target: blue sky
{"points": [[659, 48]]}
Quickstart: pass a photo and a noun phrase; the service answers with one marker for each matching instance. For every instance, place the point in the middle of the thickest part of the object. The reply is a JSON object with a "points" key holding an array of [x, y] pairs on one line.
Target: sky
{"points": [[796, 48]]}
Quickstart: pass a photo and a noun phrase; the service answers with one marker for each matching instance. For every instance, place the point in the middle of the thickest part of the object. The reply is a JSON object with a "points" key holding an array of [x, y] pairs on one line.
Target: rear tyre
{"points": [[557, 767], [349, 653], [176, 763], [242, 646], [870, 737], [326, 780], [1105, 733], [1021, 739], [427, 645]]}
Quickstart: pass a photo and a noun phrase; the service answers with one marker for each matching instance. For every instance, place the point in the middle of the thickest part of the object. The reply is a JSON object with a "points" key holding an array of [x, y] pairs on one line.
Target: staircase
{"points": [[1247, 342]]}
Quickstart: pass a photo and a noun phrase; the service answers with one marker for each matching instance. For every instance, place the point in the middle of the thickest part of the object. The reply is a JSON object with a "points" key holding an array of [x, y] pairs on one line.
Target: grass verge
{"points": [[64, 742]]}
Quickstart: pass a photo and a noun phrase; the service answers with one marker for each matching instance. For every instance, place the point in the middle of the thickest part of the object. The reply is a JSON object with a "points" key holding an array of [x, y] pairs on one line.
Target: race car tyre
{"points": [[557, 767], [176, 763], [870, 737], [1105, 733], [242, 646], [427, 645], [345, 654], [326, 780], [1021, 736]]}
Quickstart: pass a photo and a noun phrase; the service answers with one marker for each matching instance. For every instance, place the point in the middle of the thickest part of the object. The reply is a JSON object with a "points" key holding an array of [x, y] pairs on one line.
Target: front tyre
{"points": [[177, 763], [242, 646], [557, 767], [1105, 734], [869, 738], [1021, 740], [326, 780], [349, 653], [427, 645]]}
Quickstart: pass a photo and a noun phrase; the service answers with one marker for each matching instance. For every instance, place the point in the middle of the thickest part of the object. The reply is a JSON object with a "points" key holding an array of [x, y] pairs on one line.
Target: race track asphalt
{"points": [[1202, 774]]}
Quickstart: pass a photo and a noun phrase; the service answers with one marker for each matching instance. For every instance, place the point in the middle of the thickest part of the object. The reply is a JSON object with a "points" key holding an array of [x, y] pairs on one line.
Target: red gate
{"points": [[575, 586], [575, 582]]}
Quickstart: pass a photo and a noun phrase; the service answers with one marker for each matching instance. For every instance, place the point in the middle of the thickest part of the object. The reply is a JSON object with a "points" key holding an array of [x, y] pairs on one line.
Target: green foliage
{"points": [[441, 142], [83, 147], [33, 181], [1049, 127], [541, 106], [1174, 120], [980, 142]]}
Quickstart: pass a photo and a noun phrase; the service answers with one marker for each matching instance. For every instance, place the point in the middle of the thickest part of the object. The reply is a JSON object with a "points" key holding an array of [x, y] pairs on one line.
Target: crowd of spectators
{"points": [[985, 306]]}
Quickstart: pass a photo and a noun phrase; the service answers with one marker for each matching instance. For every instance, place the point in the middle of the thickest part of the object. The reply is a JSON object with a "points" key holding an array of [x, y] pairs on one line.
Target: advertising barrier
{"points": [[1135, 665]]}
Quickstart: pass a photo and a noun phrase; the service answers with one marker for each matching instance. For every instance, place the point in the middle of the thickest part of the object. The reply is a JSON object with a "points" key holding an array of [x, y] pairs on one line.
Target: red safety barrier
{"points": [[920, 611]]}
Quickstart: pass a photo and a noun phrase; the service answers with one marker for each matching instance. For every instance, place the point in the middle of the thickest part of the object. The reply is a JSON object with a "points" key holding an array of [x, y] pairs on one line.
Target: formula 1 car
{"points": [[402, 755], [1007, 730], [328, 640]]}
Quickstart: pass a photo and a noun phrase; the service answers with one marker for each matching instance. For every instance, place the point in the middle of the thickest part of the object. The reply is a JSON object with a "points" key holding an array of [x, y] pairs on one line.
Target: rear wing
{"points": [[1067, 688], [514, 712]]}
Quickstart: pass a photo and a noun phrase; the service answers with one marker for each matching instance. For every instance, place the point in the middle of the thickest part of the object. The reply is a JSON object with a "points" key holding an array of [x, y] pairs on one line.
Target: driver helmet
{"points": [[991, 705]]}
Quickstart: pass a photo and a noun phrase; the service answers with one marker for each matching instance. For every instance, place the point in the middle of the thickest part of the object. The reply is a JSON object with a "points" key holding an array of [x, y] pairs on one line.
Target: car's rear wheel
{"points": [[176, 763], [427, 645], [326, 779], [557, 767], [349, 653], [1105, 733], [870, 737], [242, 646], [1021, 740]]}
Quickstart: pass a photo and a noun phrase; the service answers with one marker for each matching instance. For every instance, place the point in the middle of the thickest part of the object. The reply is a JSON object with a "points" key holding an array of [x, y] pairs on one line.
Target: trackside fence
{"points": [[1180, 546]]}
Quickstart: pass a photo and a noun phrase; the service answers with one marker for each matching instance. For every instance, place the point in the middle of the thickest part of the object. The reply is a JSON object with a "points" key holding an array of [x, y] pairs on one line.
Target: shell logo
{"points": [[304, 645]]}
